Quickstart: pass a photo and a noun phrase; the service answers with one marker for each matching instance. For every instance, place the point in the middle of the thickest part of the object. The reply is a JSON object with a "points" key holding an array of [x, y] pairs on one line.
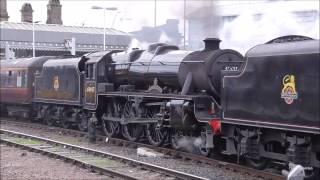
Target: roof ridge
{"points": [[67, 28]]}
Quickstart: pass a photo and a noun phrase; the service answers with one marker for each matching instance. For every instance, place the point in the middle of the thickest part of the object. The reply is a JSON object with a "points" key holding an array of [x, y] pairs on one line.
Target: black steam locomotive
{"points": [[264, 106]]}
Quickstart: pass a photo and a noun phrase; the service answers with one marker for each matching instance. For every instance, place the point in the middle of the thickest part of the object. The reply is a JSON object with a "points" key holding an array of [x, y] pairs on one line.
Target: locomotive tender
{"points": [[271, 108], [264, 106], [59, 92]]}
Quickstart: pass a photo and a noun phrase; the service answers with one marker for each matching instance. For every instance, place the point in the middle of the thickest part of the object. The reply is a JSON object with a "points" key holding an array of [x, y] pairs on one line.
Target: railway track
{"points": [[177, 154], [98, 161]]}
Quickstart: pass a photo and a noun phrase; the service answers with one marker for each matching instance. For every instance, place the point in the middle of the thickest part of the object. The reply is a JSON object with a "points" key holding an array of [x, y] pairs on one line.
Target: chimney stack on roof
{"points": [[54, 12], [26, 13], [3, 10]]}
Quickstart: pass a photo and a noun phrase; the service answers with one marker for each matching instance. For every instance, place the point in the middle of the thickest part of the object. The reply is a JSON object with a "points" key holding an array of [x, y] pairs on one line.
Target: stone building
{"points": [[54, 12], [26, 13], [3, 10]]}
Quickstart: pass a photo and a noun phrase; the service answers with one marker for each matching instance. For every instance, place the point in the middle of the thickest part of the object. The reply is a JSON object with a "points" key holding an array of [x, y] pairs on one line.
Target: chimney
{"points": [[26, 13], [211, 44], [3, 11], [54, 12]]}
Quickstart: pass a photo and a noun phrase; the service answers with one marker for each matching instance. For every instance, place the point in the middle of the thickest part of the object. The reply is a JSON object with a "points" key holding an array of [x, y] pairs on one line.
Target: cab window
{"points": [[90, 71]]}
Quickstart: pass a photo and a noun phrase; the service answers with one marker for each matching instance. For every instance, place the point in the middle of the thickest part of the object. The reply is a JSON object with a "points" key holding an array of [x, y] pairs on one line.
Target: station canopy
{"points": [[54, 37]]}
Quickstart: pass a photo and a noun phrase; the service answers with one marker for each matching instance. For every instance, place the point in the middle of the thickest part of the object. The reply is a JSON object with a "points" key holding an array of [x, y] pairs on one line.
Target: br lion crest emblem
{"points": [[289, 92]]}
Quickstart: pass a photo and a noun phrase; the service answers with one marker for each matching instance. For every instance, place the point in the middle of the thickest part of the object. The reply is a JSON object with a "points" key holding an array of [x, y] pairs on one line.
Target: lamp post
{"points": [[104, 20], [184, 23], [33, 39], [155, 13]]}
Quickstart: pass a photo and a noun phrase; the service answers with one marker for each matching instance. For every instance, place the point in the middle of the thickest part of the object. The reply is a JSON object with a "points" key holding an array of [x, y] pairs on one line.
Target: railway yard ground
{"points": [[17, 164], [22, 164]]}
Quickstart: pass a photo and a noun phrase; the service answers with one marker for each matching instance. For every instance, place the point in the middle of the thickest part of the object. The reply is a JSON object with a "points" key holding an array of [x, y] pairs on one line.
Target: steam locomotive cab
{"points": [[98, 77]]}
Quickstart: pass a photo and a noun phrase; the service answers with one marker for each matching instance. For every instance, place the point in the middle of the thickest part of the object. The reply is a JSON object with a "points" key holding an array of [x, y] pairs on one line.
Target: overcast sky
{"points": [[131, 15]]}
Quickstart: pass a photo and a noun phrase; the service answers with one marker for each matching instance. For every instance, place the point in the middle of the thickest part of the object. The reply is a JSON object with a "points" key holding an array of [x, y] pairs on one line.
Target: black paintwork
{"points": [[170, 66], [61, 81], [254, 96], [98, 71], [162, 68], [161, 63], [206, 67]]}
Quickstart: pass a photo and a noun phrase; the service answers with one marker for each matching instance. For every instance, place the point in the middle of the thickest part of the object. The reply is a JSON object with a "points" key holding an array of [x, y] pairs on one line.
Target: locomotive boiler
{"points": [[165, 68]]}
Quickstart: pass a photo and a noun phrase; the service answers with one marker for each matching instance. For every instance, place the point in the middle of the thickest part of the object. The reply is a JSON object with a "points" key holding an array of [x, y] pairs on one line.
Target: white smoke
{"points": [[135, 43], [164, 38], [204, 13], [250, 29], [189, 144]]}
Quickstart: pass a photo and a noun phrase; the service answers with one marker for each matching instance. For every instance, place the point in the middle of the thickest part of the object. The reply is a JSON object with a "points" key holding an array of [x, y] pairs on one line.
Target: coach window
{"points": [[2, 79], [19, 79], [24, 78], [9, 78]]}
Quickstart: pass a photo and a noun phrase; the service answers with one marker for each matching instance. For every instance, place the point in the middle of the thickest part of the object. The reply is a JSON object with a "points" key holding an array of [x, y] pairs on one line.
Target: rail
{"points": [[167, 151], [151, 167]]}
